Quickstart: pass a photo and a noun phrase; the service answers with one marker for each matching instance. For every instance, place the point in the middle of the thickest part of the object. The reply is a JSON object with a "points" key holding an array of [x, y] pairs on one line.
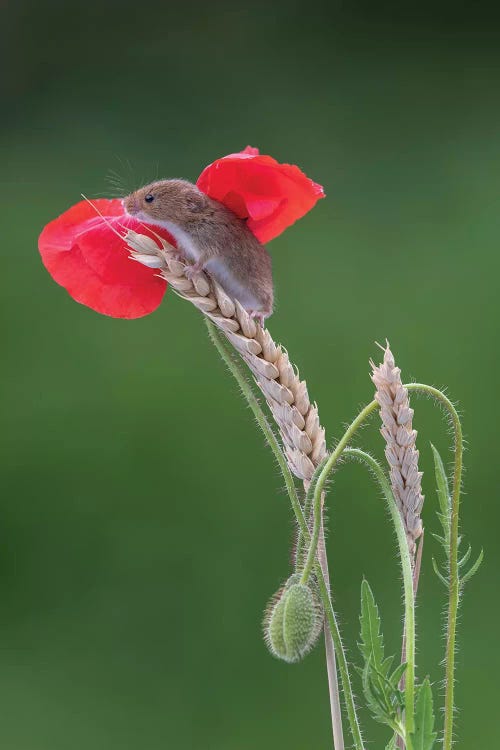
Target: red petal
{"points": [[270, 195], [83, 254]]}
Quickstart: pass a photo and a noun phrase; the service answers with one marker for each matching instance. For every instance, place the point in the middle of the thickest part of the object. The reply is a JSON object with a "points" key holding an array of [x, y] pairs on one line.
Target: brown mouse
{"points": [[212, 237]]}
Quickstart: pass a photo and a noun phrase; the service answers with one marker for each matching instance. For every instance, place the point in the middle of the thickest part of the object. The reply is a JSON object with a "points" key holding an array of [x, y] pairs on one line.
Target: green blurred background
{"points": [[143, 524]]}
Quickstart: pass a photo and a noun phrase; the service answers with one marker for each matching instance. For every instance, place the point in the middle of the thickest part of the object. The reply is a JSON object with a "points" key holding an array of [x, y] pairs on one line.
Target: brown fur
{"points": [[225, 247]]}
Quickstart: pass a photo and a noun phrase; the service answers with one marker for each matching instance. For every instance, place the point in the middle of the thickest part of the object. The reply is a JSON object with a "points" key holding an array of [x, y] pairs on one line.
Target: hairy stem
{"points": [[328, 466], [454, 582], [338, 737], [406, 566], [400, 743], [331, 632], [339, 650]]}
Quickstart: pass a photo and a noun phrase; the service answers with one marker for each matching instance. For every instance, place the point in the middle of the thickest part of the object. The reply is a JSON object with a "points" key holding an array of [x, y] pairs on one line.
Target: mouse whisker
{"points": [[105, 220]]}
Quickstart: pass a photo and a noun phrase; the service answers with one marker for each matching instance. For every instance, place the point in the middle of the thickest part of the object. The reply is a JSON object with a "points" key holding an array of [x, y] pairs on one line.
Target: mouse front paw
{"points": [[192, 270]]}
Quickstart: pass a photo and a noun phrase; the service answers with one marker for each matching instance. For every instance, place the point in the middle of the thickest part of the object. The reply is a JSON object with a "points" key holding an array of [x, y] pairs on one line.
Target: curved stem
{"points": [[454, 582], [300, 550], [319, 487], [321, 570], [409, 596]]}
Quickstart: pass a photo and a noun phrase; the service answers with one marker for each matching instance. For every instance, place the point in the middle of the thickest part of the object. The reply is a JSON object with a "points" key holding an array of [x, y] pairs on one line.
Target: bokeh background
{"points": [[143, 524]]}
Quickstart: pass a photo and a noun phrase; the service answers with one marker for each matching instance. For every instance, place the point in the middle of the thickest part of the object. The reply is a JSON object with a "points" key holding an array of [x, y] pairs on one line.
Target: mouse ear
{"points": [[196, 202], [269, 195]]}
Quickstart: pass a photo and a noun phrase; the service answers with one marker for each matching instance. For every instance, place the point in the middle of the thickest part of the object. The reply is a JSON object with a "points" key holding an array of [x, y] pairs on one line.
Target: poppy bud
{"points": [[293, 621]]}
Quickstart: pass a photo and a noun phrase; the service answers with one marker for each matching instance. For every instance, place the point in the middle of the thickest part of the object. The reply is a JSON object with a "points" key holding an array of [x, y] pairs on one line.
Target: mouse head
{"points": [[175, 201]]}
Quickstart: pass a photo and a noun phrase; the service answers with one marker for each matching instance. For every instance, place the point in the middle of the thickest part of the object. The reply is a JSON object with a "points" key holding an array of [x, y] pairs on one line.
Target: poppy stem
{"points": [[454, 579]]}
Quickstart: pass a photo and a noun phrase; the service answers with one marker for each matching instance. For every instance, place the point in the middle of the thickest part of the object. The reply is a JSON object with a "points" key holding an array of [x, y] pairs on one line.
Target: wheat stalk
{"points": [[401, 453]]}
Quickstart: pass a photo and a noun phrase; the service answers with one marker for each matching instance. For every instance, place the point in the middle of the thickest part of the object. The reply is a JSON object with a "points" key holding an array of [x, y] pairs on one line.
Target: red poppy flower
{"points": [[84, 253], [270, 195]]}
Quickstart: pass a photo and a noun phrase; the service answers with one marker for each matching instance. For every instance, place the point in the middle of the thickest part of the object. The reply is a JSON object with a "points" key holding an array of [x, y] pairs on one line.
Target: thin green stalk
{"points": [[301, 542], [240, 375], [409, 597], [341, 657], [454, 581], [320, 484]]}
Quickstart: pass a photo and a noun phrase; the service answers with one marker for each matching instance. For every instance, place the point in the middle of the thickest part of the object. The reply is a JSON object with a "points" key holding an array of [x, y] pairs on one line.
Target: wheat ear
{"points": [[401, 453], [286, 394]]}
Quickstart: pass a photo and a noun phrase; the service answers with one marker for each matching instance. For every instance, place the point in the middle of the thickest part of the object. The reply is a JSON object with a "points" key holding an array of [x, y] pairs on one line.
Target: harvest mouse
{"points": [[212, 237]]}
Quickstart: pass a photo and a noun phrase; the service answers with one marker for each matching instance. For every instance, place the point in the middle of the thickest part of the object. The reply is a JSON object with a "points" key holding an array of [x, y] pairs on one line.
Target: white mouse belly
{"points": [[217, 268], [183, 239]]}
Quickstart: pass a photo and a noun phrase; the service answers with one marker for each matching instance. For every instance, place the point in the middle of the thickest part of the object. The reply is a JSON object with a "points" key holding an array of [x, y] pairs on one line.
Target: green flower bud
{"points": [[293, 621]]}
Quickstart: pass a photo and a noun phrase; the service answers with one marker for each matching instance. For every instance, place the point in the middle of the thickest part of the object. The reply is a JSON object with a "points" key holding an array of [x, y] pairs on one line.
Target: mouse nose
{"points": [[130, 204]]}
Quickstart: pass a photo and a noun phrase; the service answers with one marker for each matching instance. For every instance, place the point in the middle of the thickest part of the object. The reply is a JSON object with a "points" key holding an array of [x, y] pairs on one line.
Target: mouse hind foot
{"points": [[260, 316]]}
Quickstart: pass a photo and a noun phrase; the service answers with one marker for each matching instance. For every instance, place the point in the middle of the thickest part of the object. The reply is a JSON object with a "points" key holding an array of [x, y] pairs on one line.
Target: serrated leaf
{"points": [[384, 702], [384, 690], [372, 700], [424, 735], [443, 493], [391, 695], [372, 642]]}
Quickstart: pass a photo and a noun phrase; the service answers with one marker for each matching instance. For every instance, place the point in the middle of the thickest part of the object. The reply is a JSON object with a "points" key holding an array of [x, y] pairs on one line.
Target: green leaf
{"points": [[439, 574], [465, 558], [374, 700], [392, 744], [424, 735], [372, 642], [443, 493], [440, 539], [473, 569], [382, 695], [386, 665], [397, 674], [393, 698]]}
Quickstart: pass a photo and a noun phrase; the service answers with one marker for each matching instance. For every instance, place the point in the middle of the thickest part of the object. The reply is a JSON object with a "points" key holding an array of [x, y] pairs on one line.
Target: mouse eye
{"points": [[149, 198]]}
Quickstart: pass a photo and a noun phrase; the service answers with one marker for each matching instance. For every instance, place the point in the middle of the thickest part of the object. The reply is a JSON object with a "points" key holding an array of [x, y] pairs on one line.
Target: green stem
{"points": [[320, 484], [454, 582], [339, 650], [407, 585], [300, 549], [240, 375]]}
